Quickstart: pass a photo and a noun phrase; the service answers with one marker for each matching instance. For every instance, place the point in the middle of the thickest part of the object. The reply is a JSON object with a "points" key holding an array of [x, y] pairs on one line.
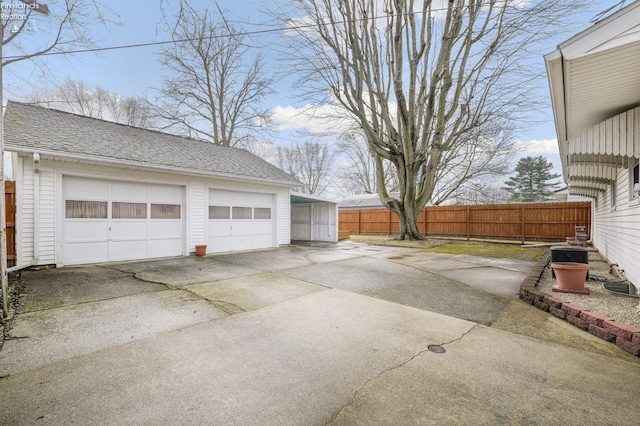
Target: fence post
{"points": [[359, 220], [522, 224], [388, 222], [425, 210], [468, 222]]}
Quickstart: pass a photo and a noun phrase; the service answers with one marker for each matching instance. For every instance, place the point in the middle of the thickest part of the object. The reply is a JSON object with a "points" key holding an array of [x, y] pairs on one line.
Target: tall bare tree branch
{"points": [[215, 83], [311, 162], [79, 98]]}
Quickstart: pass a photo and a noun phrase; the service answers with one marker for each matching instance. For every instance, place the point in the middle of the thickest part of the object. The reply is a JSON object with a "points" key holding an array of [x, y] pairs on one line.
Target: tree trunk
{"points": [[408, 219]]}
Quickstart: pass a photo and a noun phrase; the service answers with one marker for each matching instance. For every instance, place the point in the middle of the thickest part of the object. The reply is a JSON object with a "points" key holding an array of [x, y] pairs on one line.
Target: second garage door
{"points": [[240, 221], [110, 220]]}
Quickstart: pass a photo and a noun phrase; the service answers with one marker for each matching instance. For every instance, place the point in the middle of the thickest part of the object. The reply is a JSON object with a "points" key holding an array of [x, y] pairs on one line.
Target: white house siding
{"points": [[50, 216], [284, 216], [47, 216], [196, 217], [616, 231], [23, 171]]}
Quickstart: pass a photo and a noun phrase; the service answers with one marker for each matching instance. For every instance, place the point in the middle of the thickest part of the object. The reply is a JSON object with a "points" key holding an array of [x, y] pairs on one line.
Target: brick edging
{"points": [[623, 335]]}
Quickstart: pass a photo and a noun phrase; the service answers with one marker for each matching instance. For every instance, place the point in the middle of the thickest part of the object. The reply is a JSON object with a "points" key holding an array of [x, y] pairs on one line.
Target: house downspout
{"points": [[36, 215]]}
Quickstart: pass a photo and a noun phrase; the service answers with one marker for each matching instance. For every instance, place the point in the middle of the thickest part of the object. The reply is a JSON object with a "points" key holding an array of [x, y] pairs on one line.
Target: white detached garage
{"points": [[92, 191]]}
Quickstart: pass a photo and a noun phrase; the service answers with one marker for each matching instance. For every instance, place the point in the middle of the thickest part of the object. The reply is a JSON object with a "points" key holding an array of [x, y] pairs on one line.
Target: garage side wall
{"points": [[196, 214], [23, 175], [42, 209], [284, 217]]}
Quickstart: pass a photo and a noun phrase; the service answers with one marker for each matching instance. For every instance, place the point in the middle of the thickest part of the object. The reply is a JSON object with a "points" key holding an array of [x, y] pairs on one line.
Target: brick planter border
{"points": [[623, 335]]}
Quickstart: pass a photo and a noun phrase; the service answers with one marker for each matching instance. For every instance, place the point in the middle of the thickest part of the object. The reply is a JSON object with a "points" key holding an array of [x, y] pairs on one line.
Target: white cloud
{"points": [[538, 146], [322, 119]]}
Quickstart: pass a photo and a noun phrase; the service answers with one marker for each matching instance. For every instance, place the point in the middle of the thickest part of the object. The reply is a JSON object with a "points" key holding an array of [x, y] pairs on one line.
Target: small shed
{"points": [[313, 218]]}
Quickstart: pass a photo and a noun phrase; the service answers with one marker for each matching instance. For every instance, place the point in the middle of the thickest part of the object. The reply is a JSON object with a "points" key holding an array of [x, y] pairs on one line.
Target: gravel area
{"points": [[621, 308]]}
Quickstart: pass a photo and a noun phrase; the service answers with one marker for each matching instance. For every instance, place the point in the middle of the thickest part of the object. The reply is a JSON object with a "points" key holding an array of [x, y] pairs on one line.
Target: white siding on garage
{"points": [[196, 214], [616, 230], [24, 211], [283, 215], [47, 217]]}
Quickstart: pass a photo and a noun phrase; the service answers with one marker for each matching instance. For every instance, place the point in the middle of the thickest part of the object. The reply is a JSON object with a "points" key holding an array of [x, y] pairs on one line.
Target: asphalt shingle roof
{"points": [[48, 131]]}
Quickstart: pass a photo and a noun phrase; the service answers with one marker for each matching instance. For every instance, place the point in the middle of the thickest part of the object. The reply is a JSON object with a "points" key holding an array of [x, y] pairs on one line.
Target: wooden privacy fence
{"points": [[524, 222], [10, 208]]}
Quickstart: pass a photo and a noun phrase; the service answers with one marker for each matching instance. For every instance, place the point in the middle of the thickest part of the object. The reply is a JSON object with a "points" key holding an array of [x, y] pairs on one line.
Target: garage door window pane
{"points": [[219, 212], [262, 213], [77, 209], [242, 212], [128, 210], [165, 211]]}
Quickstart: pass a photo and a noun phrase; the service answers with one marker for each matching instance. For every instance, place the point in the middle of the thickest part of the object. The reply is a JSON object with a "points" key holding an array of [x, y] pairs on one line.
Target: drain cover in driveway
{"points": [[436, 349]]}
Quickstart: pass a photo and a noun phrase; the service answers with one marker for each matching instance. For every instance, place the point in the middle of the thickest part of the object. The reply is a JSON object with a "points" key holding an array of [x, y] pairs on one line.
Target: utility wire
{"points": [[212, 37], [243, 33]]}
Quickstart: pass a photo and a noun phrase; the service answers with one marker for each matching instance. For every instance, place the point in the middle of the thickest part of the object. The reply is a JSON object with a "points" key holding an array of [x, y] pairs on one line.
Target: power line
{"points": [[152, 43], [620, 4], [186, 40]]}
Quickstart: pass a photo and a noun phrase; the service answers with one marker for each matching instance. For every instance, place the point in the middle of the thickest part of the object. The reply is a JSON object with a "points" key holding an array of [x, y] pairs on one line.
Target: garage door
{"points": [[111, 221], [240, 221]]}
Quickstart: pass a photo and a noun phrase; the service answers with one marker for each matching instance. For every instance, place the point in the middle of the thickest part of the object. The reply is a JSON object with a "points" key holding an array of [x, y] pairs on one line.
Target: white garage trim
{"points": [[111, 220]]}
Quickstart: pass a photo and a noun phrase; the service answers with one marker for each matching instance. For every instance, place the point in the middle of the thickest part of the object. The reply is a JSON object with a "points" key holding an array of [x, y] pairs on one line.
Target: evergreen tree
{"points": [[533, 181]]}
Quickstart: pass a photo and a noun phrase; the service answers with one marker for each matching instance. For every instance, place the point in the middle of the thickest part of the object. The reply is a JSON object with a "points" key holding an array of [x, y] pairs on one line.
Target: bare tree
{"points": [[216, 82], [477, 161], [311, 162], [358, 171], [79, 98], [421, 78], [481, 192]]}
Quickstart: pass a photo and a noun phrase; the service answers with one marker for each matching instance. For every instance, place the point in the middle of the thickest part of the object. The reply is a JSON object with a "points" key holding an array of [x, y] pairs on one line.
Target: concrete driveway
{"points": [[327, 334]]}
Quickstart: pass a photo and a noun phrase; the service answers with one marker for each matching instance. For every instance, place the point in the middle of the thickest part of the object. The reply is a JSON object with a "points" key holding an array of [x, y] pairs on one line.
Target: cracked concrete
{"points": [[395, 367], [301, 335]]}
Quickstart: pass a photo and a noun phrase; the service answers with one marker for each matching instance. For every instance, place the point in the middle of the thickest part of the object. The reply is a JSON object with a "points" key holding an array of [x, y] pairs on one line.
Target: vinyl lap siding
{"points": [[47, 217], [25, 213], [616, 232], [196, 214], [284, 217]]}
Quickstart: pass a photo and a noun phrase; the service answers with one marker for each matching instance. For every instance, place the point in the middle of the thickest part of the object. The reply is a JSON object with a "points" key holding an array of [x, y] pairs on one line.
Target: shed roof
{"points": [[30, 128]]}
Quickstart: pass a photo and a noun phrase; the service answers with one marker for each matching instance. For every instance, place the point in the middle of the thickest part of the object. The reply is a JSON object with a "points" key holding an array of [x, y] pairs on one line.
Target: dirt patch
{"points": [[472, 248], [14, 293]]}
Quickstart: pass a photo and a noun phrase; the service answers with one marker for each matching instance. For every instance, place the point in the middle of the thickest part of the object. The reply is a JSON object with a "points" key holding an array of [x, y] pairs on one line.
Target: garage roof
{"points": [[30, 128]]}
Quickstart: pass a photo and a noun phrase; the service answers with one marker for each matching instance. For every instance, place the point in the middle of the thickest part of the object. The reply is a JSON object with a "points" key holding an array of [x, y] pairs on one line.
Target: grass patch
{"points": [[472, 248]]}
